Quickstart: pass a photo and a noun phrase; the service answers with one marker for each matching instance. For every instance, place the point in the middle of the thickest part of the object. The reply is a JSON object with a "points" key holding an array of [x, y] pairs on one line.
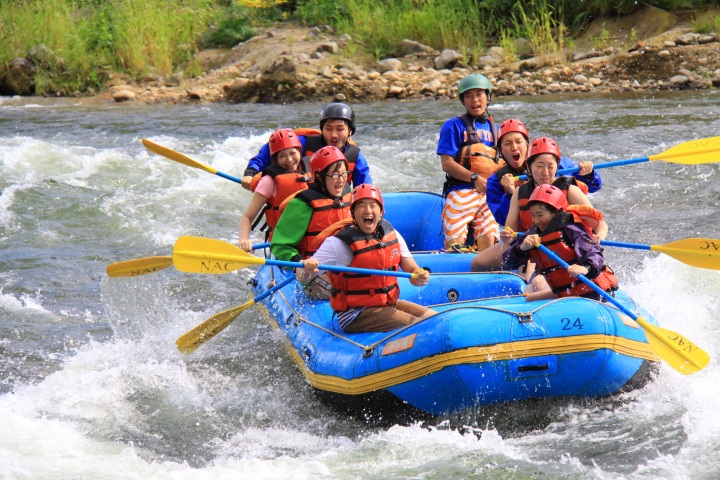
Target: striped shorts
{"points": [[463, 207]]}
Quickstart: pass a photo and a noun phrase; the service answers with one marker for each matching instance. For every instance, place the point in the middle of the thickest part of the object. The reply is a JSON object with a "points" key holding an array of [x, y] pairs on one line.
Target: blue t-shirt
{"points": [[453, 135], [361, 174]]}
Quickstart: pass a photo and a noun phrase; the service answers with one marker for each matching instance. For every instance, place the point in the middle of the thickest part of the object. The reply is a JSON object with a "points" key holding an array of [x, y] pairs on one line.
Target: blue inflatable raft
{"points": [[486, 345]]}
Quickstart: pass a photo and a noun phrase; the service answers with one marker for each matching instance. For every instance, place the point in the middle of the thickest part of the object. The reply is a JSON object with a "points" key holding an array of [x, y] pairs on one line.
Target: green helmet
{"points": [[474, 80]]}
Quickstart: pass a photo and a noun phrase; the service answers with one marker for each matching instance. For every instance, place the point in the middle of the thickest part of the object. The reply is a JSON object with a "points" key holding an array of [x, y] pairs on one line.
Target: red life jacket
{"points": [[526, 189], [561, 282], [326, 210], [379, 251], [287, 184]]}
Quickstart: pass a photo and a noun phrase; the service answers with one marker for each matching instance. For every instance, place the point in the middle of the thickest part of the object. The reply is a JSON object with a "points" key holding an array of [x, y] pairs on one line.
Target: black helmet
{"points": [[340, 111]]}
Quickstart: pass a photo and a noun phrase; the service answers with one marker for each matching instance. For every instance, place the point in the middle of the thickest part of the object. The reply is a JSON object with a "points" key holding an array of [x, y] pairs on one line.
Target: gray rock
{"points": [[447, 59], [411, 47], [687, 39], [686, 72], [388, 64], [174, 79], [487, 61], [432, 86], [331, 47], [123, 95], [679, 80]]}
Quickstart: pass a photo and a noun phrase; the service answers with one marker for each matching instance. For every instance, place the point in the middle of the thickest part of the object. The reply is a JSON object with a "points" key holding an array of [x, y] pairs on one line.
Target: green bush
{"points": [[234, 27]]}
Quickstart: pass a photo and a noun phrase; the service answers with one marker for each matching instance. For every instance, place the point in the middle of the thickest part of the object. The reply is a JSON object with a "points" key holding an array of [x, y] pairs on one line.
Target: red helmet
{"points": [[282, 139], [543, 145], [549, 194], [325, 157], [363, 191], [513, 126]]}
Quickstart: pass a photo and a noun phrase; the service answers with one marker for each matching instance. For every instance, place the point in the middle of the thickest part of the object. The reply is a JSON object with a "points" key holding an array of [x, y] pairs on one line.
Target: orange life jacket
{"points": [[379, 251], [526, 189], [326, 210], [561, 282], [480, 159], [287, 184]]}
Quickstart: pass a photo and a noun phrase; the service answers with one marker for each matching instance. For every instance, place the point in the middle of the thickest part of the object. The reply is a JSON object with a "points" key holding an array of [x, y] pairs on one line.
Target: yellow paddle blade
{"points": [[206, 255], [191, 340], [178, 157], [695, 152], [139, 266], [679, 352], [696, 252]]}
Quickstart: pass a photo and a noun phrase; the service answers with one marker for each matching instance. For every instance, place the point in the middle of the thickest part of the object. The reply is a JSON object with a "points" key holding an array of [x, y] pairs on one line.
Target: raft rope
{"points": [[523, 317]]}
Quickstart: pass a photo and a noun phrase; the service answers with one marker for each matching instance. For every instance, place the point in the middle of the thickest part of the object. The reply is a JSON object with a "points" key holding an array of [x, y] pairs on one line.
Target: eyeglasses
{"points": [[337, 175]]}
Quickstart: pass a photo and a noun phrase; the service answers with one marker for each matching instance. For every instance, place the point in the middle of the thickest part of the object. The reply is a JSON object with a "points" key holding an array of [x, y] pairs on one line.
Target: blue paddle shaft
{"points": [[274, 289], [588, 282], [568, 171], [260, 246], [339, 269], [637, 246], [229, 177]]}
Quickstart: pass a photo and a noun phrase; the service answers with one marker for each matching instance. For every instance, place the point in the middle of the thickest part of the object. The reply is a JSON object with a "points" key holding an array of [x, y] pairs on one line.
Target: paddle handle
{"points": [[638, 246], [259, 246], [617, 163], [229, 177], [339, 269], [588, 282]]}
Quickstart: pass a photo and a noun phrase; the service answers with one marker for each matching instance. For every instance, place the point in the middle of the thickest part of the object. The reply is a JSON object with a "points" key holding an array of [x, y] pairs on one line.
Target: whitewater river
{"points": [[92, 386]]}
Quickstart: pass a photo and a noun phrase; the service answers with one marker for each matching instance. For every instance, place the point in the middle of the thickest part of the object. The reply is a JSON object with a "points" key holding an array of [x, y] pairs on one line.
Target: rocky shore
{"points": [[291, 63]]}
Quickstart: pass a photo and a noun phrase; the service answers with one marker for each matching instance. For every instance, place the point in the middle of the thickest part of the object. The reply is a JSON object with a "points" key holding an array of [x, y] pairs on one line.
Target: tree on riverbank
{"points": [[66, 47]]}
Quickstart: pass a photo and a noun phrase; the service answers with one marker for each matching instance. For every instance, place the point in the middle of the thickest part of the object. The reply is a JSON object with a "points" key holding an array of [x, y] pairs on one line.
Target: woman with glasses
{"points": [[324, 202]]}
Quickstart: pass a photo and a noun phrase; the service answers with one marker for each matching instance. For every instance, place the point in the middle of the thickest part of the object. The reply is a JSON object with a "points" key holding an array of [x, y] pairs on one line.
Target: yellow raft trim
{"points": [[472, 355]]}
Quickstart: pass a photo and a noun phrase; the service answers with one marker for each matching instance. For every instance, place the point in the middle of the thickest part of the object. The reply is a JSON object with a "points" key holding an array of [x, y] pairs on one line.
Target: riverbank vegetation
{"points": [[76, 45]]}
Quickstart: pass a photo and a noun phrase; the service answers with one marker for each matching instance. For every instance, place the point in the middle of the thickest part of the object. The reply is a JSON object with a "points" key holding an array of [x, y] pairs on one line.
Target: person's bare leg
{"points": [[489, 259], [484, 242]]}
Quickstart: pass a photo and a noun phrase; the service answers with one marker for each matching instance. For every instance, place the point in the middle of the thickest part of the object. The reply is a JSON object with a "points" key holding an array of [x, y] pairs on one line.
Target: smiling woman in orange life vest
{"points": [[566, 230], [543, 162], [368, 303], [274, 184]]}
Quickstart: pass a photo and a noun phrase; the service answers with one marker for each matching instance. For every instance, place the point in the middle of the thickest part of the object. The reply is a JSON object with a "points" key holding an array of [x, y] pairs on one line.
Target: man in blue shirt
{"points": [[337, 125]]}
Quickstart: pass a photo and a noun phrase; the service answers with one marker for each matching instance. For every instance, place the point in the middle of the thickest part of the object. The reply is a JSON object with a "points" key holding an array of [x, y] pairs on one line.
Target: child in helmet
{"points": [[468, 157], [566, 230], [337, 125], [368, 303], [276, 183]]}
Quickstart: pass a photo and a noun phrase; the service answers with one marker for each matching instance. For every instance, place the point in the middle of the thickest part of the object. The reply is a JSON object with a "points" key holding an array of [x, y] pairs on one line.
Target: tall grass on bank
{"points": [[542, 26], [380, 26], [88, 37]]}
